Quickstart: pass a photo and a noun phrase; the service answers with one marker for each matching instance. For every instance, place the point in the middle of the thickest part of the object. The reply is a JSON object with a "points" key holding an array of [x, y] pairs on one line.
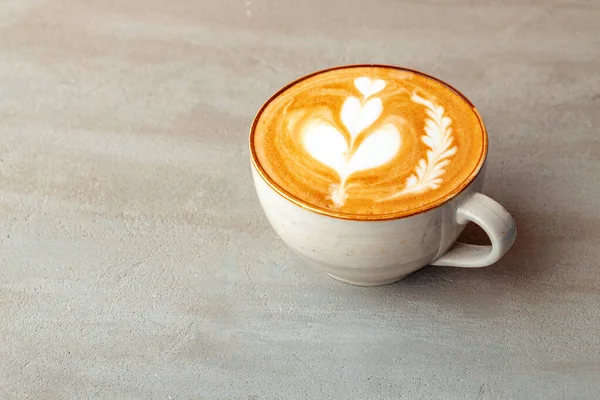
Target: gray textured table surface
{"points": [[135, 261]]}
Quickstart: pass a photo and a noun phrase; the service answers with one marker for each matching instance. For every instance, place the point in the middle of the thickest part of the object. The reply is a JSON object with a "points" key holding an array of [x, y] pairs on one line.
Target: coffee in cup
{"points": [[367, 144]]}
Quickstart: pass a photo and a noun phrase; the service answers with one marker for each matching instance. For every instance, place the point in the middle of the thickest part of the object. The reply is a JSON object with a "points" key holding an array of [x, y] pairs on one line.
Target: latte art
{"points": [[438, 138], [368, 140], [328, 145]]}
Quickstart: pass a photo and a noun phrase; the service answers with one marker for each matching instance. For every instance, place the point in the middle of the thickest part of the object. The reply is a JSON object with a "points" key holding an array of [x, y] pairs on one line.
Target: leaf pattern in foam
{"points": [[438, 138]]}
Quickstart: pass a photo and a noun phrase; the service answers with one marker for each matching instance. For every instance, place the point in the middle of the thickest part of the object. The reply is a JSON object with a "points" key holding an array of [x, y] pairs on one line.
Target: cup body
{"points": [[366, 253]]}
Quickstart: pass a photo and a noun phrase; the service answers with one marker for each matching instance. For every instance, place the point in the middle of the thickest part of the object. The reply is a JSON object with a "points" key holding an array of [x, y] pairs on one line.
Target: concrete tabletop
{"points": [[135, 260]]}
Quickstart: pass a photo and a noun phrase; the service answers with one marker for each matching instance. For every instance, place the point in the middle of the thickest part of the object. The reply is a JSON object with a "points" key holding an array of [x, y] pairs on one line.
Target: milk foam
{"points": [[368, 140]]}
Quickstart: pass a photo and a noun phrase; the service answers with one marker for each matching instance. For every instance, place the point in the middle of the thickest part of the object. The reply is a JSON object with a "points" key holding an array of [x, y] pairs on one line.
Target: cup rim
{"points": [[367, 217]]}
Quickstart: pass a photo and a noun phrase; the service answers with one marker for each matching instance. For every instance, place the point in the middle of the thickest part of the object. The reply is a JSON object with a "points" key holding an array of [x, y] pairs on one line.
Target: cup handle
{"points": [[494, 220]]}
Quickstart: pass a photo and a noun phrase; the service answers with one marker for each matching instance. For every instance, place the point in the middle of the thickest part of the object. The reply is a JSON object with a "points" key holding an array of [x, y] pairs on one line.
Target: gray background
{"points": [[135, 261]]}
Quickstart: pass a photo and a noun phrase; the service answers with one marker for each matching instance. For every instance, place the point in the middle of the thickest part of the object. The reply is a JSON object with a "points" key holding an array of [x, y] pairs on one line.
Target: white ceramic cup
{"points": [[379, 252]]}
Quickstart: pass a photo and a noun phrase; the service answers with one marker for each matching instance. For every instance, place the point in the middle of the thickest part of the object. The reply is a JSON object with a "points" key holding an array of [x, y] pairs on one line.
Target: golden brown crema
{"points": [[368, 141]]}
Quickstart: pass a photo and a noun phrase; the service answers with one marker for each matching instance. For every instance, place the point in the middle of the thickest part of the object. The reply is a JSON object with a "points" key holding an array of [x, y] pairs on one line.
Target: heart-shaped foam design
{"points": [[357, 116], [368, 86], [377, 149], [327, 145]]}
